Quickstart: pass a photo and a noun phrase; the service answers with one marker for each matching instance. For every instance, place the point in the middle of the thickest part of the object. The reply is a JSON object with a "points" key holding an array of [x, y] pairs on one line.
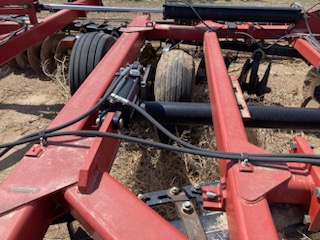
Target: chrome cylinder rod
{"points": [[92, 8]]}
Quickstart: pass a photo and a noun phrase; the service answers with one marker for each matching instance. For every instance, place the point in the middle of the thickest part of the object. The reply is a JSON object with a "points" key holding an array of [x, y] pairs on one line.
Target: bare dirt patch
{"points": [[27, 104]]}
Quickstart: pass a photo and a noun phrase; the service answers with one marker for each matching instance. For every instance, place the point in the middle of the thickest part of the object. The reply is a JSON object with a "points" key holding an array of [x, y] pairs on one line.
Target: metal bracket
{"points": [[35, 151], [240, 99], [161, 197], [245, 166], [188, 215], [212, 197]]}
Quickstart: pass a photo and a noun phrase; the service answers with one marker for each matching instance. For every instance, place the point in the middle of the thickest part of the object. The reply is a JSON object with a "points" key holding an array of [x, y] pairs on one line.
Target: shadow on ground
{"points": [[46, 111]]}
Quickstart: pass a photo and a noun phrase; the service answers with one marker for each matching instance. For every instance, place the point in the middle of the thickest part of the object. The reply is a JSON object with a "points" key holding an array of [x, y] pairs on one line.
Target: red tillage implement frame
{"points": [[70, 174]]}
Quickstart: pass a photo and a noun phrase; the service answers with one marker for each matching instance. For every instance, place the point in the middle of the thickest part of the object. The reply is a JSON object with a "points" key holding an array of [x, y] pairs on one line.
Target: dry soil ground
{"points": [[28, 104]]}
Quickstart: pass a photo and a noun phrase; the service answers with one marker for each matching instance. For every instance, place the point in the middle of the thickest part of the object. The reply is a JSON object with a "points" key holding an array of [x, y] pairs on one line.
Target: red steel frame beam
{"points": [[302, 45], [7, 27], [113, 212], [246, 188], [195, 33], [17, 224], [231, 136], [308, 52]]}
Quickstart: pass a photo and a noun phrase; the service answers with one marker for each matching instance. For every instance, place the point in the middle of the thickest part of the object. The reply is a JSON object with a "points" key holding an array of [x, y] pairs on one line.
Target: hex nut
{"points": [[141, 196], [211, 195], [293, 145], [174, 190], [197, 186], [121, 123], [245, 162], [187, 207], [317, 192], [306, 219]]}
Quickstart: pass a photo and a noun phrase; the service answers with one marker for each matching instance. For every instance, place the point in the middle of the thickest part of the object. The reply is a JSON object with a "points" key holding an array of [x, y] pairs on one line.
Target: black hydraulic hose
{"points": [[156, 123], [188, 148], [84, 115], [265, 158], [10, 35], [188, 145]]}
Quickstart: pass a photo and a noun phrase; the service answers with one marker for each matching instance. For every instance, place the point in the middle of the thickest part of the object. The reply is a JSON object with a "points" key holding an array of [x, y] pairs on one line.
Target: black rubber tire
{"points": [[87, 52], [174, 82]]}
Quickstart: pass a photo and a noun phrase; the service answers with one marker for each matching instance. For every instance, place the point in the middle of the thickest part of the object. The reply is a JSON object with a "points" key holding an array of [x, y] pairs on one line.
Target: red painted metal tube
{"points": [[97, 160], [195, 33], [226, 116], [113, 212], [245, 205], [28, 222], [307, 51], [8, 26], [177, 32]]}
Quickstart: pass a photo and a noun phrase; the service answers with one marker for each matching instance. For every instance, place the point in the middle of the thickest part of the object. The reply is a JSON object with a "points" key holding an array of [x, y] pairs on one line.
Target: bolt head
{"points": [[174, 190], [26, 6], [245, 163], [121, 123], [135, 73], [141, 196], [306, 219], [197, 186], [186, 204], [187, 207], [317, 192], [211, 195], [293, 145]]}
